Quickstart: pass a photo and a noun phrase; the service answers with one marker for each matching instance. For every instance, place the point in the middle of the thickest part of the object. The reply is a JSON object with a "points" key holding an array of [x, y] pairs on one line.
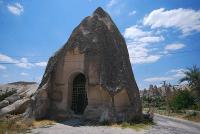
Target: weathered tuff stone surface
{"points": [[12, 98], [98, 38], [4, 103], [17, 102], [17, 107]]}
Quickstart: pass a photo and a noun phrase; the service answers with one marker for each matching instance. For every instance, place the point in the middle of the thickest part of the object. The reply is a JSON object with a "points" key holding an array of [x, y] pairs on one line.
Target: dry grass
{"points": [[134, 126], [15, 124], [193, 117], [42, 123]]}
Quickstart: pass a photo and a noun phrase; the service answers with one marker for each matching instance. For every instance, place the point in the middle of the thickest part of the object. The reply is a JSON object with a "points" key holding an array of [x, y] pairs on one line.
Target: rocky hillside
{"points": [[14, 97]]}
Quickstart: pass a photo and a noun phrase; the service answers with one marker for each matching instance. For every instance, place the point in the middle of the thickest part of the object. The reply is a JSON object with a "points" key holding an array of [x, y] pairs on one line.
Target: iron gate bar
{"points": [[79, 95]]}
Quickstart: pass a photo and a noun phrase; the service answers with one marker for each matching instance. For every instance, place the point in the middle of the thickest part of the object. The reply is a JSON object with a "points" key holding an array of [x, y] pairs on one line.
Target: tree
{"points": [[192, 76], [182, 100]]}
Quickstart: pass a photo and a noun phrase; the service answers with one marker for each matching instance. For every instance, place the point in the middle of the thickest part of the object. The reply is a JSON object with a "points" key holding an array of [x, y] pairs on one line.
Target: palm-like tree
{"points": [[192, 76]]}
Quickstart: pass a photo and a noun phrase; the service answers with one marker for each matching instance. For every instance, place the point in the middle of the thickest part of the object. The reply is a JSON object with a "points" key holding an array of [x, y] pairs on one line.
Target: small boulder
{"points": [[17, 107], [11, 99], [4, 103]]}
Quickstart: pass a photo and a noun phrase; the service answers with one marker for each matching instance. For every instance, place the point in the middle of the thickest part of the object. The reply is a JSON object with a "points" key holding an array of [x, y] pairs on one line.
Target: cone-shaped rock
{"points": [[90, 75]]}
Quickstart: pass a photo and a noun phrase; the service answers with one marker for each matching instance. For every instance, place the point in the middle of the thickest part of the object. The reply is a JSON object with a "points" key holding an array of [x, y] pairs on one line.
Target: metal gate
{"points": [[79, 95]]}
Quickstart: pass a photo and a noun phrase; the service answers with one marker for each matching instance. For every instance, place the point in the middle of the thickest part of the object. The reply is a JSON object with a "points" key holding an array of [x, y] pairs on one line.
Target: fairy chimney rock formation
{"points": [[90, 75]]}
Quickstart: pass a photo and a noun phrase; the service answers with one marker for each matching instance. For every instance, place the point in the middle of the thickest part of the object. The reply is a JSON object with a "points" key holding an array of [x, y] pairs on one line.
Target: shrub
{"points": [[196, 107], [182, 100], [6, 94]]}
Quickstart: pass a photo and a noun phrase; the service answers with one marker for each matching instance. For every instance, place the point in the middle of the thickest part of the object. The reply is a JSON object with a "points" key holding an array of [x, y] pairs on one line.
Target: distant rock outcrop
{"points": [[16, 97], [162, 91]]}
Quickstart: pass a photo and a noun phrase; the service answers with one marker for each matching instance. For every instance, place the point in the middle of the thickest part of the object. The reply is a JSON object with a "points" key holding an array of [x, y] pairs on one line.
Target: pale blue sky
{"points": [[162, 36]]}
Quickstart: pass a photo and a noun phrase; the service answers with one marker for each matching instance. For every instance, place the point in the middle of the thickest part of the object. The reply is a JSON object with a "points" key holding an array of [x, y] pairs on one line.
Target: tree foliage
{"points": [[182, 100], [192, 76]]}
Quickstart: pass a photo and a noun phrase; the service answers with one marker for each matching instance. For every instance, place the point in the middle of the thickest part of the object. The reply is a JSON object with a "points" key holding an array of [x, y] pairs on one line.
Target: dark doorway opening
{"points": [[79, 95]]}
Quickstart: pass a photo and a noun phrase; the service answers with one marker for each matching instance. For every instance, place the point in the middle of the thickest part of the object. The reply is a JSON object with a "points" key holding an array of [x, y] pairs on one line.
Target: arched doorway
{"points": [[79, 95]]}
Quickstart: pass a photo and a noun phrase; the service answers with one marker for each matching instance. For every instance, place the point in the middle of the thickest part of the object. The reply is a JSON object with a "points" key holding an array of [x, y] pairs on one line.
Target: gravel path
{"points": [[163, 126]]}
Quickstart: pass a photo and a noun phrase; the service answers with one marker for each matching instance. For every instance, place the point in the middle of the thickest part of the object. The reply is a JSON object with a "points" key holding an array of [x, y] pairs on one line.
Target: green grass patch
{"points": [[138, 126]]}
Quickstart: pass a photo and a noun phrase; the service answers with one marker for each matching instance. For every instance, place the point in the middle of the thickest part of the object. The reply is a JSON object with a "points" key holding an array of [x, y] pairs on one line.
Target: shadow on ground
{"points": [[80, 122]]}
